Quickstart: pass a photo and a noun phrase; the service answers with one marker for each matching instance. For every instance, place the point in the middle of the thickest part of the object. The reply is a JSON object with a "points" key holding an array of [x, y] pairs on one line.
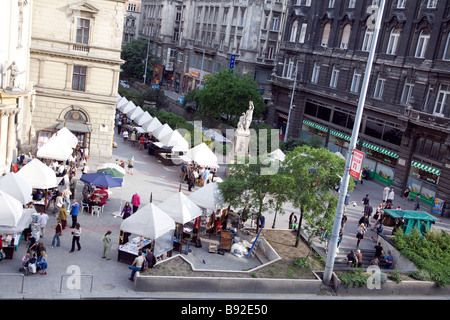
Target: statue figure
{"points": [[240, 125], [245, 119], [13, 76]]}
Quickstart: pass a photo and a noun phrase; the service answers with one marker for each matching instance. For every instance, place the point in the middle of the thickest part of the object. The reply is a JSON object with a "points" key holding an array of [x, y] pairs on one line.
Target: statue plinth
{"points": [[241, 142]]}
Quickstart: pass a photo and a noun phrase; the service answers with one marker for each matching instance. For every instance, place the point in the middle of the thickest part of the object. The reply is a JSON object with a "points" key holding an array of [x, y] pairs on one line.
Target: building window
{"points": [[407, 92], [330, 3], [270, 52], [334, 77], [275, 21], [345, 36], [422, 44], [431, 4], [307, 3], [325, 35], [393, 41], [379, 88], [351, 4], [79, 78], [301, 38], [294, 31], [315, 73], [442, 103], [401, 4], [83, 31], [131, 7], [356, 80], [368, 38], [447, 49]]}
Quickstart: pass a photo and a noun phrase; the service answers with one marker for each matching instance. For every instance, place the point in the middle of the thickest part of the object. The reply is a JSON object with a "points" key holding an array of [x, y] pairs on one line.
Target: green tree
{"points": [[135, 54], [227, 94], [315, 172]]}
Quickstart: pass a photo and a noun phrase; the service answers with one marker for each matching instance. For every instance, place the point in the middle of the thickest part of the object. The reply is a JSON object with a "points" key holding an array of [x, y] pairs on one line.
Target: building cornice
{"points": [[74, 56]]}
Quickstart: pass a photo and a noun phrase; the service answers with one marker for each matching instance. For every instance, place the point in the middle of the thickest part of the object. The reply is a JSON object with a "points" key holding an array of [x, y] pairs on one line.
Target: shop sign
{"points": [[356, 164], [195, 74]]}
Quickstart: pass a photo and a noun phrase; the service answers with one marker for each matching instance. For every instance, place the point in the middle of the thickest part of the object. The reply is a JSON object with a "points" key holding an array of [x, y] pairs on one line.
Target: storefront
{"points": [[380, 162], [423, 179]]}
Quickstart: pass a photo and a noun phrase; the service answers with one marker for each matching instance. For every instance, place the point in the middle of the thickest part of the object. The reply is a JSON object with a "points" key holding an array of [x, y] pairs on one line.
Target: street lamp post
{"points": [[292, 101], [332, 246], [201, 71]]}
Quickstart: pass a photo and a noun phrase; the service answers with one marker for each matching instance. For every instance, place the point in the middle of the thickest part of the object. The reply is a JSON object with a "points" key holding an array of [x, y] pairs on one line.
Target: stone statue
{"points": [[245, 120], [13, 76]]}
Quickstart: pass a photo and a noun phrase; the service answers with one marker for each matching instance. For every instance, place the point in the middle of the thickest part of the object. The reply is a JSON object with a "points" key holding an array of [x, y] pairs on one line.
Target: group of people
{"points": [[194, 174]]}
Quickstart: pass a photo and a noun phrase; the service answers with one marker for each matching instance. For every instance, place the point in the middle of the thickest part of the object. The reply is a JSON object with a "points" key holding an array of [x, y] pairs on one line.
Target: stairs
{"points": [[340, 262]]}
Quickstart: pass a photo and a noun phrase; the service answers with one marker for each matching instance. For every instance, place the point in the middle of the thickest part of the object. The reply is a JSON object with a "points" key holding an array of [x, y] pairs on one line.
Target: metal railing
{"points": [[15, 275], [80, 275]]}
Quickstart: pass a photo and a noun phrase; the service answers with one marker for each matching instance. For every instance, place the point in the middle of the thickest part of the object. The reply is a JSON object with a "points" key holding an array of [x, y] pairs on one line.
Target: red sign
{"points": [[356, 164]]}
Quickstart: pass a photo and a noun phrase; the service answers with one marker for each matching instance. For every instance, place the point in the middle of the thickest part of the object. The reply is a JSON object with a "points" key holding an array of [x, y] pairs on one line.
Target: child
{"points": [[42, 263]]}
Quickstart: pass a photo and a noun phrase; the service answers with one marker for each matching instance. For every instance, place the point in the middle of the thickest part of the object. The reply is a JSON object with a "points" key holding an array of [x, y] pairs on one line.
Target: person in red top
{"points": [[141, 142], [136, 201]]}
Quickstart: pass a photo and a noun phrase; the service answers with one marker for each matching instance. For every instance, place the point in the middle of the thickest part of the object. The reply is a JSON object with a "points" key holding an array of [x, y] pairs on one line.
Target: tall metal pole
{"points": [[292, 101], [332, 247], [146, 61]]}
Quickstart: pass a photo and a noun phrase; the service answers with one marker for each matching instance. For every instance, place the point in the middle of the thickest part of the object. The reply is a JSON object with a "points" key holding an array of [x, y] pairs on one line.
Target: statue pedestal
{"points": [[241, 142]]}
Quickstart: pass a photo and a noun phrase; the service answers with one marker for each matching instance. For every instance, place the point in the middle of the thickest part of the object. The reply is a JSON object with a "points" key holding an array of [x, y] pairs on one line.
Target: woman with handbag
{"points": [[76, 237]]}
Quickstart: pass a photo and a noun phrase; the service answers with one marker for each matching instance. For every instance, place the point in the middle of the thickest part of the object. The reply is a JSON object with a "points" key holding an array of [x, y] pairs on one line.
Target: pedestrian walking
{"points": [[351, 259], [106, 245], [136, 201], [417, 203], [406, 195], [58, 233], [379, 250], [126, 211], [130, 165], [76, 233], [391, 196], [292, 220], [365, 201], [42, 220], [62, 215], [386, 193], [72, 186], [359, 258], [191, 180], [74, 213], [58, 202], [360, 233], [66, 197], [136, 265]]}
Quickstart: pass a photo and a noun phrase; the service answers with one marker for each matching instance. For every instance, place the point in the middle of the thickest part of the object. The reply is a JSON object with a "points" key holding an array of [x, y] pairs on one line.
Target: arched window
{"points": [[422, 44], [394, 38], [345, 36], [294, 29], [368, 38], [325, 35]]}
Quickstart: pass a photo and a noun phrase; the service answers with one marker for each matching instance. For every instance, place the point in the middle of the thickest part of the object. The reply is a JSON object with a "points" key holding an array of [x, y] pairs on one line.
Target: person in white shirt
{"points": [[390, 198], [42, 220], [386, 193]]}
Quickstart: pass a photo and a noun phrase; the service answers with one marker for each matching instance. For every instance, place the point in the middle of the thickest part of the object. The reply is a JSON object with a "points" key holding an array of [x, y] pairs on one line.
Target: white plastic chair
{"points": [[84, 206], [96, 210]]}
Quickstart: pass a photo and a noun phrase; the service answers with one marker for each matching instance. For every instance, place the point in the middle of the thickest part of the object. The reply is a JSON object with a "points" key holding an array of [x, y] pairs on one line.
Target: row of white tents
{"points": [[166, 136]]}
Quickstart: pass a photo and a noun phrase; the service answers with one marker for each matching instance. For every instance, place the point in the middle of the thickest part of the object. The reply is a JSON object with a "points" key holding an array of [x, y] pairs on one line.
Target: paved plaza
{"points": [[109, 279]]}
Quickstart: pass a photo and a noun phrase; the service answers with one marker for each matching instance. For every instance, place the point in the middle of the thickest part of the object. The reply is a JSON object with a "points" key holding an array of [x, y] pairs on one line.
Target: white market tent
{"points": [[175, 139], [160, 132], [10, 210], [55, 148], [149, 221], [143, 118], [67, 136], [38, 175], [152, 125], [121, 103], [119, 97], [203, 155], [132, 114], [127, 107], [17, 187], [208, 197], [277, 155], [180, 208]]}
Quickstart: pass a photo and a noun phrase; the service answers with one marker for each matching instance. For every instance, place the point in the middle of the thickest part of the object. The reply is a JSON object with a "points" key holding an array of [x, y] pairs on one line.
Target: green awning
{"points": [[380, 150], [426, 168], [315, 125], [411, 214]]}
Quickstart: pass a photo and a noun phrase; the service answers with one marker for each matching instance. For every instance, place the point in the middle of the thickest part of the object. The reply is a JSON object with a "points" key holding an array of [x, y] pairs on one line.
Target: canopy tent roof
{"points": [[23, 223], [132, 114], [215, 135], [175, 139], [66, 135], [119, 97], [277, 155], [143, 118], [17, 187], [149, 221], [38, 175], [203, 155], [152, 125], [208, 197], [410, 214], [10, 210], [180, 208], [162, 131], [56, 148], [121, 103], [127, 107]]}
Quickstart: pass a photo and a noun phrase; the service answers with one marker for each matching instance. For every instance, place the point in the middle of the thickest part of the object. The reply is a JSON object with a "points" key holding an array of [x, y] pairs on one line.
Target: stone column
{"points": [[11, 137], [403, 166], [3, 136]]}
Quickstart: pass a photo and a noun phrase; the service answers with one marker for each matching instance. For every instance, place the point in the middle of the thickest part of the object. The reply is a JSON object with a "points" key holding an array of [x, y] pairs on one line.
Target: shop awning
{"points": [[380, 149], [426, 168], [315, 125], [74, 126]]}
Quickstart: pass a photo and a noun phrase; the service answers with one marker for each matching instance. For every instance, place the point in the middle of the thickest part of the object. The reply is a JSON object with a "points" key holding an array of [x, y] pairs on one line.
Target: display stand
{"points": [[226, 238], [129, 251]]}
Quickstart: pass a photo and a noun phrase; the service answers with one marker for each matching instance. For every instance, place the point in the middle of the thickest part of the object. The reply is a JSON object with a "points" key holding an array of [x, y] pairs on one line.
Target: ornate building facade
{"points": [[406, 122], [74, 65]]}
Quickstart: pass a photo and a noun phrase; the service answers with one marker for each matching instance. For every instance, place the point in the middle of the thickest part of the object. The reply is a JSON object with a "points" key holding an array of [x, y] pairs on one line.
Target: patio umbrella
{"points": [[203, 155], [66, 135], [17, 187], [55, 148], [112, 169], [38, 175], [10, 210], [101, 179], [208, 197], [180, 208]]}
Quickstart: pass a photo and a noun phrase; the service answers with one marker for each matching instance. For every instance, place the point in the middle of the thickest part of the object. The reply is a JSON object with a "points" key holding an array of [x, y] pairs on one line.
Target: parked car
{"points": [[124, 84]]}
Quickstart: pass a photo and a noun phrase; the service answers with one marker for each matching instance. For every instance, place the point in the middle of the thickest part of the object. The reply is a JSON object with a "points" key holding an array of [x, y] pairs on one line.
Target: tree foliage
{"points": [[135, 54], [227, 94]]}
